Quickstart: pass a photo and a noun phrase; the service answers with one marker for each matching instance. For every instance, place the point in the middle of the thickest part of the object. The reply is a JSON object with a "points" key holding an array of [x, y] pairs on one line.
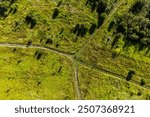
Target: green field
{"points": [[96, 85], [75, 49], [24, 76]]}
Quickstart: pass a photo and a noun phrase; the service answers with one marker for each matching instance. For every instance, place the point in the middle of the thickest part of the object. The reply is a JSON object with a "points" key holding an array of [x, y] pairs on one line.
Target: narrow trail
{"points": [[100, 29], [115, 75], [77, 81], [68, 55], [75, 61]]}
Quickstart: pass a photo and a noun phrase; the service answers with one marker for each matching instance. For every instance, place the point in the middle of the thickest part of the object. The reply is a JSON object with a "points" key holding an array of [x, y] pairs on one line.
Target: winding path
{"points": [[74, 58], [110, 73], [68, 55], [75, 61]]}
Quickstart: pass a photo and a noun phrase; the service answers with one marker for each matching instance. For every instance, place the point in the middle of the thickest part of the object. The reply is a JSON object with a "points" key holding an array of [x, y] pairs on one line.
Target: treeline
{"points": [[102, 8], [7, 7], [134, 25]]}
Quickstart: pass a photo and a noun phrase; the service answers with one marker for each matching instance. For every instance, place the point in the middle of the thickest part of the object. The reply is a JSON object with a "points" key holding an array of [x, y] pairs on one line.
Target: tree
{"points": [[130, 75], [55, 14], [111, 25], [122, 27], [101, 19], [142, 82], [2, 11], [101, 7], [134, 37], [49, 41], [30, 21], [92, 28], [137, 7]]}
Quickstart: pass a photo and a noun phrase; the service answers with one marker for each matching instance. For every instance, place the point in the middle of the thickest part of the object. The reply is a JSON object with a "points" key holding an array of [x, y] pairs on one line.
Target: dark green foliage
{"points": [[137, 7], [7, 5], [55, 14], [49, 41], [2, 11], [60, 69], [130, 75], [30, 21], [38, 55], [134, 37], [14, 49], [111, 25], [29, 43], [59, 3], [62, 30], [92, 28], [101, 19], [139, 92], [117, 37], [76, 28], [80, 30], [135, 26], [92, 3], [19, 61], [83, 30], [12, 1], [142, 82], [122, 27], [101, 7], [39, 82], [57, 45], [13, 9]]}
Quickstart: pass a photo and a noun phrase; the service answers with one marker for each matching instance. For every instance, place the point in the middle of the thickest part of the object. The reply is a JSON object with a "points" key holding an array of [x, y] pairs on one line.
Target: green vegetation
{"points": [[75, 49], [40, 20], [111, 50], [97, 85], [34, 74]]}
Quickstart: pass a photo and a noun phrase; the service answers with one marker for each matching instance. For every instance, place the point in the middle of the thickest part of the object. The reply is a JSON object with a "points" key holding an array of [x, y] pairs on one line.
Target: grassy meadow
{"points": [[25, 76]]}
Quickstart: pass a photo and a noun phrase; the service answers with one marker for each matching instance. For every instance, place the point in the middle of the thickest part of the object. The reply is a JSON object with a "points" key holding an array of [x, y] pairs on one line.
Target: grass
{"points": [[96, 85], [71, 13], [25, 77], [100, 54], [38, 74]]}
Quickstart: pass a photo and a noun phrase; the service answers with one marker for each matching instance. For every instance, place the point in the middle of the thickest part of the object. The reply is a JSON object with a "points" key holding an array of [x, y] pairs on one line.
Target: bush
{"points": [[142, 82], [30, 21], [49, 41], [111, 25], [2, 11], [92, 28], [38, 55], [55, 14], [13, 9], [101, 19], [130, 75], [137, 6]]}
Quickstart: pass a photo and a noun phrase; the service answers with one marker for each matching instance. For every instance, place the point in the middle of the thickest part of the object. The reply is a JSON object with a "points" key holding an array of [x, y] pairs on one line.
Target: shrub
{"points": [[49, 41], [101, 19], [142, 82], [137, 6], [30, 21], [55, 14], [92, 28], [130, 75]]}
